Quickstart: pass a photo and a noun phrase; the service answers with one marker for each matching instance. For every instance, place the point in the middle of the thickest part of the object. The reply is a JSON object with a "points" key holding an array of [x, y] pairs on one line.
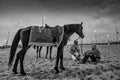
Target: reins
{"points": [[81, 46]]}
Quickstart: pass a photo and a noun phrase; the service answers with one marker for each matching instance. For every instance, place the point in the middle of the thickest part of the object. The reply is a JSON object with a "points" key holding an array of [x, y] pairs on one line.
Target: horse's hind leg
{"points": [[22, 55], [40, 51], [16, 62], [57, 59], [50, 52], [47, 49]]}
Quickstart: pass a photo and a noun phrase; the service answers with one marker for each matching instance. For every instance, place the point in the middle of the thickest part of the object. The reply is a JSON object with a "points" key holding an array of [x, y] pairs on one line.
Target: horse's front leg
{"points": [[57, 59], [61, 61]]}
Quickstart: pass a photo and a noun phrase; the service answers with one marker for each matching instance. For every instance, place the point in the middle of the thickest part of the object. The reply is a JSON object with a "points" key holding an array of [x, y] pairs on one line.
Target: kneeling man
{"points": [[75, 51]]}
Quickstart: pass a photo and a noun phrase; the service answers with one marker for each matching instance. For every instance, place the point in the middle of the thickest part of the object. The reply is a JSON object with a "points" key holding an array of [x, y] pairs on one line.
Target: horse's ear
{"points": [[46, 25], [81, 23]]}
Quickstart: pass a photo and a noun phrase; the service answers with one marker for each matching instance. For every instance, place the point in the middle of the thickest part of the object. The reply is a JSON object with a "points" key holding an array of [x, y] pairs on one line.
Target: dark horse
{"points": [[39, 48], [23, 35]]}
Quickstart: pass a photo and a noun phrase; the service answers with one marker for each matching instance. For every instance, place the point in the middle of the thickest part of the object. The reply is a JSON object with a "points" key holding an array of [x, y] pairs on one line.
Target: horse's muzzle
{"points": [[82, 36]]}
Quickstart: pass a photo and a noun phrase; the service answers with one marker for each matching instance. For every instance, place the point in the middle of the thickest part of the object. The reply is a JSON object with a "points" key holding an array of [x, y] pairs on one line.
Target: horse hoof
{"points": [[62, 68], [14, 72], [56, 71], [23, 73]]}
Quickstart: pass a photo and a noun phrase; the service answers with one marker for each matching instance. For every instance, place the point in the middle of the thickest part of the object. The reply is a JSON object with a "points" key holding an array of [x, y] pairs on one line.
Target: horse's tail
{"points": [[14, 47]]}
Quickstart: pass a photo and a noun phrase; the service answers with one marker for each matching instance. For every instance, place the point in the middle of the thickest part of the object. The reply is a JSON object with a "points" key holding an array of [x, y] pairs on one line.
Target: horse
{"points": [[23, 34], [39, 48]]}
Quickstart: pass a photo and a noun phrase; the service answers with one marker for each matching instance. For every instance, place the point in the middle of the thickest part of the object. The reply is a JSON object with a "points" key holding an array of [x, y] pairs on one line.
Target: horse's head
{"points": [[79, 30]]}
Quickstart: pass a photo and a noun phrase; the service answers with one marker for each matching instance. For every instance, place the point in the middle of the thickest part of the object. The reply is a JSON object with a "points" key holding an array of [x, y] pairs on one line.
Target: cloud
{"points": [[100, 8], [110, 9]]}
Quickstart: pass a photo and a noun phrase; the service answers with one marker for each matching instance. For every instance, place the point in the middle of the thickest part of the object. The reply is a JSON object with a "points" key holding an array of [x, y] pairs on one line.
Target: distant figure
{"points": [[93, 54], [75, 51]]}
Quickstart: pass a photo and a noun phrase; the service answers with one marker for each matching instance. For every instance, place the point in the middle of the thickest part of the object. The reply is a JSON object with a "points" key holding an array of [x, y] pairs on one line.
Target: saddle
{"points": [[47, 35], [55, 32]]}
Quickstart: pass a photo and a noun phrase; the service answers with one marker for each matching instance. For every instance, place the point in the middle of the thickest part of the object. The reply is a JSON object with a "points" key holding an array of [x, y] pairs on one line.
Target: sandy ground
{"points": [[37, 69]]}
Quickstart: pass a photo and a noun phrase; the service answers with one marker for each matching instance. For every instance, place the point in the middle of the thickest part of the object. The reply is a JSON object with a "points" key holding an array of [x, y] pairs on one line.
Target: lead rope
{"points": [[81, 47]]}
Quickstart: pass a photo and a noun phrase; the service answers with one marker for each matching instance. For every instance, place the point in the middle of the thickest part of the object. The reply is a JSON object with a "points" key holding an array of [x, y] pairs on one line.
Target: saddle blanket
{"points": [[45, 36]]}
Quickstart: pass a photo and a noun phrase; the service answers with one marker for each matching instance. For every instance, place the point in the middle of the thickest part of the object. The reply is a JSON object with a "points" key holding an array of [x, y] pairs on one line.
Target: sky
{"points": [[98, 16]]}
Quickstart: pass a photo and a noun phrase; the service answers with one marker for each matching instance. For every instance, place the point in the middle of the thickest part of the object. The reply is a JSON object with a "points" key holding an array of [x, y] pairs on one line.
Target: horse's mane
{"points": [[71, 24], [70, 27]]}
